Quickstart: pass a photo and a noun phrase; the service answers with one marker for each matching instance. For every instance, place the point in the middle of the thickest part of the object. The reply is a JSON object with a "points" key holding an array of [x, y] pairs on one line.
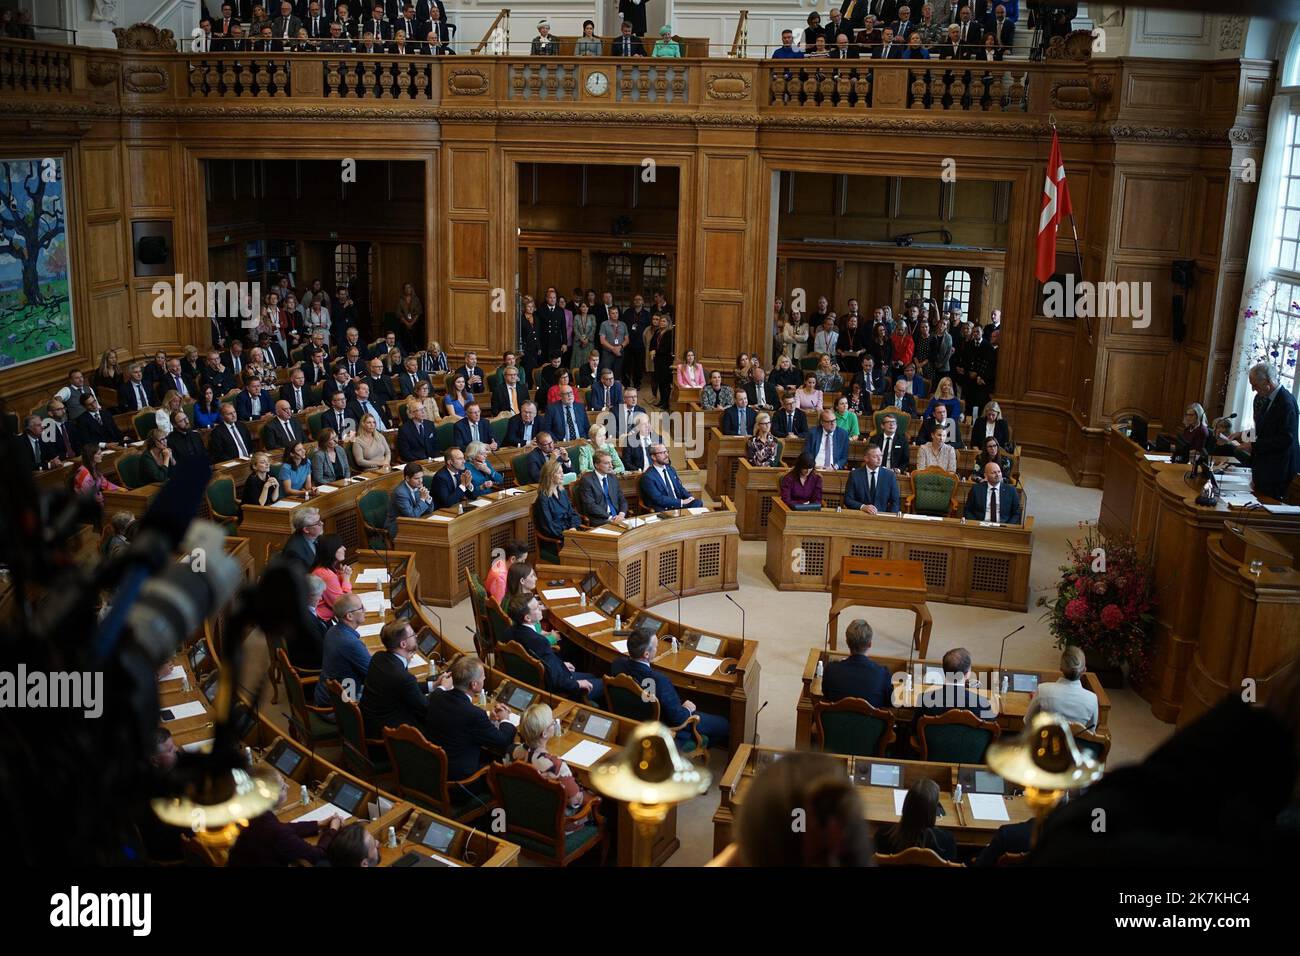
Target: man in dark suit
{"points": [[307, 529], [951, 48], [34, 453], [1009, 838], [853, 12], [391, 696], [381, 387], [1274, 454], [377, 24], [957, 691], [762, 396], [857, 675], [251, 404], [58, 429], [828, 443], [993, 499], [410, 499], [417, 440], [600, 499], [216, 374], [184, 441], [872, 488], [889, 49], [286, 26], [473, 372], [340, 381], [893, 446], [633, 12], [174, 380], [314, 369], [625, 413], [642, 646], [282, 431], [626, 43], [134, 393], [509, 394], [474, 428], [969, 32], [452, 484], [230, 438], [546, 450], [789, 420], [295, 392], [559, 676], [941, 422], [317, 21], [739, 418], [905, 25], [523, 428], [95, 426], [1002, 29], [411, 376], [361, 405], [844, 48], [410, 25], [567, 421], [661, 489], [901, 398], [453, 721], [606, 393], [338, 417]]}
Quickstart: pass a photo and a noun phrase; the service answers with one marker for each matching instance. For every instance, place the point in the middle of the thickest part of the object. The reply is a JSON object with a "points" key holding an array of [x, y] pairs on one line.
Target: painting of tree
{"points": [[35, 302]]}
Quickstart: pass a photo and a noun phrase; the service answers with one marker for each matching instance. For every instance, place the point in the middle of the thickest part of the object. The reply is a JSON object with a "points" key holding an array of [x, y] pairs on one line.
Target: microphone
{"points": [[742, 614], [756, 716], [1004, 647], [676, 594], [612, 567]]}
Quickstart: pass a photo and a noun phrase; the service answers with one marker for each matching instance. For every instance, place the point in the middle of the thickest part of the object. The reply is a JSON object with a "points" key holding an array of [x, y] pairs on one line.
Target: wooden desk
{"points": [[878, 801], [269, 527], [1011, 706], [689, 554], [876, 582], [1150, 501], [964, 563], [734, 695]]}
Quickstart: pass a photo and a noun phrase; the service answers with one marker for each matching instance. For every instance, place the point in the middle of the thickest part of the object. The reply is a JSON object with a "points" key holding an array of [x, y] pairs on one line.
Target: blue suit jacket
{"points": [[857, 676], [405, 503], [556, 425], [534, 461], [447, 491], [558, 678], [813, 445], [730, 422], [659, 498], [244, 406], [464, 435], [414, 448], [977, 502], [515, 430], [596, 396], [887, 499], [671, 711]]}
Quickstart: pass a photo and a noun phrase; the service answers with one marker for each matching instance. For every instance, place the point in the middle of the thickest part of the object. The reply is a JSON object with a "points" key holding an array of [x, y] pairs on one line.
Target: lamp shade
{"points": [[650, 769], [221, 799], [1044, 757]]}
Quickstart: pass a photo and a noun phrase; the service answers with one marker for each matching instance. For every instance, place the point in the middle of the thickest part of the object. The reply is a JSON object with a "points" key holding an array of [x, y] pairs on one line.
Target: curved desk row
{"points": [[965, 562]]}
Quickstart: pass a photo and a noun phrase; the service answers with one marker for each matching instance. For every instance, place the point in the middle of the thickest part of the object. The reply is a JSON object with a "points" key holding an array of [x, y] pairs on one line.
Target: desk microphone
{"points": [[678, 595], [613, 567], [756, 716], [742, 616], [1004, 647]]}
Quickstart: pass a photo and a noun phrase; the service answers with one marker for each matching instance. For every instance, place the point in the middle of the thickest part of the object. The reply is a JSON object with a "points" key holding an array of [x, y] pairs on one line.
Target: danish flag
{"points": [[1056, 206]]}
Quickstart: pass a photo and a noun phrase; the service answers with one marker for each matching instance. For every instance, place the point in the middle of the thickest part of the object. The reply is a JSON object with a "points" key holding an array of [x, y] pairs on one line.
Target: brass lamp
{"points": [[215, 806], [1046, 761], [650, 775]]}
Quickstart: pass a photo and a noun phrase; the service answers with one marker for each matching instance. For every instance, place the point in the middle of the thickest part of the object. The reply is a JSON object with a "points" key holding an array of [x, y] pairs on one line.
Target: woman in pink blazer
{"points": [[690, 373]]}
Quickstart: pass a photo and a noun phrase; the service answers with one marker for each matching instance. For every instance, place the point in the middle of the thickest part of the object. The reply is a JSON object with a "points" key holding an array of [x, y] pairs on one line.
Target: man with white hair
{"points": [[544, 44], [1274, 452], [307, 527]]}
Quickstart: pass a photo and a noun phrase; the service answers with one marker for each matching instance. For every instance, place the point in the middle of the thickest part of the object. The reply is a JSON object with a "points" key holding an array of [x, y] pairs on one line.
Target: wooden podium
{"points": [[875, 582]]}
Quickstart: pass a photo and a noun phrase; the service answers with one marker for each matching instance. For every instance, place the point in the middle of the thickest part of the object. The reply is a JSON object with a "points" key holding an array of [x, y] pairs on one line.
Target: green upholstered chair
{"points": [[421, 775], [313, 424], [536, 819], [780, 450], [851, 726], [310, 725], [128, 469], [625, 697], [446, 433], [903, 418], [372, 510], [363, 756], [144, 422], [222, 504], [933, 491], [513, 658], [518, 464], [810, 361], [499, 426], [956, 736]]}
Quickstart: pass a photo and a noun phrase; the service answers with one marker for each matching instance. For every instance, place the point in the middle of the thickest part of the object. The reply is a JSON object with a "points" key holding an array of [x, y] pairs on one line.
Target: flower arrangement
{"points": [[1273, 332], [1105, 601]]}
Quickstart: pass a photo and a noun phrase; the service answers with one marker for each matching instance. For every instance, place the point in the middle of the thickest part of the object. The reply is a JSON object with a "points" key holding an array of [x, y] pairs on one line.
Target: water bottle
{"points": [[821, 668], [1006, 683], [582, 599], [248, 755], [304, 795], [907, 688], [673, 642], [185, 682], [956, 794], [618, 622], [392, 837]]}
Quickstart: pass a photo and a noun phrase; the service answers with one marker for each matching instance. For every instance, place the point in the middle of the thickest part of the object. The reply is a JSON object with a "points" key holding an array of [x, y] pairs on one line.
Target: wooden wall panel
{"points": [[561, 268], [150, 173], [1141, 229], [102, 176], [1051, 372], [1134, 382], [469, 251]]}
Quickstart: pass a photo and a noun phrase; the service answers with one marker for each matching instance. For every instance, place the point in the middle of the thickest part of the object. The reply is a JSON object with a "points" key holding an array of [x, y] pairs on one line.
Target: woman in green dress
{"points": [[597, 440], [584, 335], [844, 418], [666, 45]]}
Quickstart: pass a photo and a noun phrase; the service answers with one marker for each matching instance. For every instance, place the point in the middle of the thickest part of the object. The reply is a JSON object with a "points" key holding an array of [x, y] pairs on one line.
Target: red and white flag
{"points": [[1056, 206]]}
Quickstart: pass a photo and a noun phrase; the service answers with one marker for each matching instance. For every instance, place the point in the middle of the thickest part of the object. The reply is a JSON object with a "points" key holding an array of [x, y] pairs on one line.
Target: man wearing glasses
{"points": [[307, 527], [546, 450]]}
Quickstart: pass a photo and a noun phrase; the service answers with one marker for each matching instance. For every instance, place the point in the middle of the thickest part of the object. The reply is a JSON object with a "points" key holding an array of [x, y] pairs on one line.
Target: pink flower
{"points": [[1111, 616], [1076, 610]]}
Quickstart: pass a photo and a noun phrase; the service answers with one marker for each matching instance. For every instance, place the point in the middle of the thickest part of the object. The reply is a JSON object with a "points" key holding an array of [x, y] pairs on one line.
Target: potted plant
{"points": [[1105, 605]]}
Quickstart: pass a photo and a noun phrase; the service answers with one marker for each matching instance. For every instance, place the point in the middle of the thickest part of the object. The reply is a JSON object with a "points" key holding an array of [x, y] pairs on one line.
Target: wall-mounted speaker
{"points": [[1182, 271], [151, 244]]}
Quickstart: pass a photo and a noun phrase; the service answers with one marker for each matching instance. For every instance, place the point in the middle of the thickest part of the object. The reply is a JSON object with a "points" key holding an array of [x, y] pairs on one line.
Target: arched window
{"points": [[345, 263], [916, 284], [956, 285], [618, 279], [654, 275]]}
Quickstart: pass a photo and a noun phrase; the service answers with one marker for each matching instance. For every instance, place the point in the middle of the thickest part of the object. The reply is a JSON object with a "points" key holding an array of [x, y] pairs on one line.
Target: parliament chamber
{"points": [[449, 437]]}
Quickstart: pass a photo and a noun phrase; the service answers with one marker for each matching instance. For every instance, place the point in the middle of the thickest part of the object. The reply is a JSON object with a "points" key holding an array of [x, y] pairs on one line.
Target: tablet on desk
{"points": [[879, 775], [429, 832], [1024, 683], [651, 624], [593, 725], [589, 583], [345, 795], [284, 758], [420, 859], [980, 781], [516, 697], [210, 687], [609, 604], [198, 655], [428, 644], [706, 644]]}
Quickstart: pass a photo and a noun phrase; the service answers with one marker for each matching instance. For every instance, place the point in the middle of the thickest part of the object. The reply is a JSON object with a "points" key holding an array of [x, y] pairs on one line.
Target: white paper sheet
{"points": [[370, 630], [923, 517], [620, 646], [1156, 457], [199, 746], [559, 594], [321, 812], [1282, 509], [704, 666], [988, 806], [176, 673], [513, 718], [416, 661], [286, 503], [583, 620], [372, 576], [899, 797], [191, 708], [586, 753], [374, 601], [698, 511], [604, 530], [325, 489], [439, 517]]}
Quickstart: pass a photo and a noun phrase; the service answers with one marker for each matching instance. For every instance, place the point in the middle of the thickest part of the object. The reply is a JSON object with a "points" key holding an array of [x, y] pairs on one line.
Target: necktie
{"points": [[288, 432], [95, 416], [514, 399], [419, 430], [871, 487], [571, 430], [239, 441], [828, 444], [742, 421], [994, 514], [140, 399], [888, 442], [759, 390], [609, 502], [297, 399], [789, 423], [180, 385], [67, 443]]}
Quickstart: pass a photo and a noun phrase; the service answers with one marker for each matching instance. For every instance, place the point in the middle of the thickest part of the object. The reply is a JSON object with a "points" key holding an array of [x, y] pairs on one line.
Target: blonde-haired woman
{"points": [[760, 450], [424, 395], [163, 417], [597, 440], [107, 375], [537, 727], [369, 447], [262, 487], [553, 512], [945, 394], [991, 424], [434, 359]]}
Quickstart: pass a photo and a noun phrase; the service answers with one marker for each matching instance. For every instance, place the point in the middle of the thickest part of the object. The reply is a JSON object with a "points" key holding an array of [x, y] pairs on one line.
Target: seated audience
{"points": [[642, 648], [991, 423], [739, 418], [483, 476], [158, 460], [936, 453], [893, 446], [872, 488], [295, 472], [690, 373], [802, 486], [369, 447], [600, 499], [958, 690], [522, 428], [456, 721], [417, 440], [828, 443], [331, 567], [515, 552], [553, 512], [537, 727], [857, 675], [808, 397], [993, 499], [789, 420], [942, 423], [638, 446], [660, 488], [353, 846], [229, 439], [992, 453], [89, 480], [567, 419], [715, 394], [846, 419], [265, 841], [409, 499], [391, 696], [261, 487], [344, 656], [546, 451], [307, 530], [915, 826], [283, 430], [559, 676], [1067, 696], [761, 449], [329, 463]]}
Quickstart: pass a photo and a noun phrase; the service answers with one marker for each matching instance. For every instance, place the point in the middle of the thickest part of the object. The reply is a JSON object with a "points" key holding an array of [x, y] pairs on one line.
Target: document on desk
{"points": [[698, 511], [176, 673], [372, 576], [416, 661], [704, 666], [899, 797], [191, 708], [988, 806], [923, 517], [325, 489], [1282, 509], [480, 503], [1156, 457], [286, 503], [439, 517], [604, 530], [586, 619], [370, 630], [321, 813], [620, 646], [374, 601], [508, 492], [199, 747], [586, 753], [559, 594]]}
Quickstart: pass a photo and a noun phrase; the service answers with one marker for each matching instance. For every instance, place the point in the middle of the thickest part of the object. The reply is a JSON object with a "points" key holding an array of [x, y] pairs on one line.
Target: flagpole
{"points": [[1074, 229]]}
